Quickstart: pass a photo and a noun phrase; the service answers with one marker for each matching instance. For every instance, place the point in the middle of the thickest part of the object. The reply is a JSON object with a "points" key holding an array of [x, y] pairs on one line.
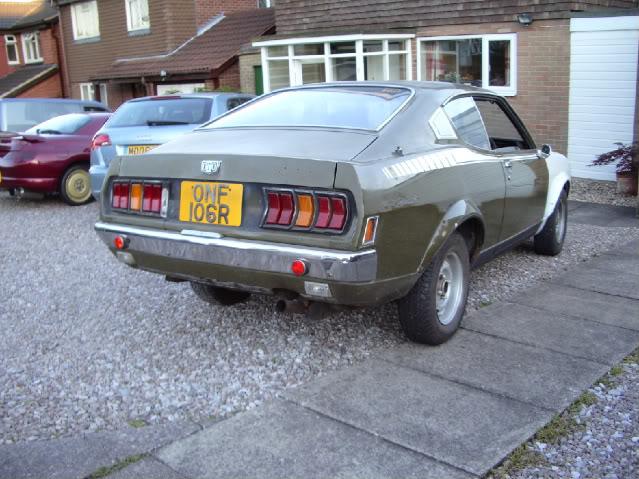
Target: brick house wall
{"points": [[49, 88], [543, 73], [48, 47]]}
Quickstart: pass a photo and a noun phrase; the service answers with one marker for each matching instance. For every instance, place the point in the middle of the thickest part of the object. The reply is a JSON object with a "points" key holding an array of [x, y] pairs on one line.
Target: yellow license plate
{"points": [[211, 203], [139, 149]]}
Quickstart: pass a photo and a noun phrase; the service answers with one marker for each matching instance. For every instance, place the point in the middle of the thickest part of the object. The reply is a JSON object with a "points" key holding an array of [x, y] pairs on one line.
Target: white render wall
{"points": [[603, 88]]}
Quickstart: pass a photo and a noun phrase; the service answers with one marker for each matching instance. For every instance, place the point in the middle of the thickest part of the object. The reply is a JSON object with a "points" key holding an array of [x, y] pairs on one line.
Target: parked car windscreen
{"points": [[22, 115], [163, 111], [358, 107], [61, 125]]}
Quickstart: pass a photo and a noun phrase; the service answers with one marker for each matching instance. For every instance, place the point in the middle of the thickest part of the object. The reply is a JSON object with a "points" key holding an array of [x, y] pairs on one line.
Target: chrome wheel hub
{"points": [[449, 290]]}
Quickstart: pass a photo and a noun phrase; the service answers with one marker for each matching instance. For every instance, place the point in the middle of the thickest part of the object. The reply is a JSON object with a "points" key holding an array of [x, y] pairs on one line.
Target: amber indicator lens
{"points": [[369, 231], [136, 196], [306, 211]]}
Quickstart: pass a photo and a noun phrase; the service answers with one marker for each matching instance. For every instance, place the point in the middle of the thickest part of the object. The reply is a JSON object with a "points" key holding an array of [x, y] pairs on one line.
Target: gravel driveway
{"points": [[90, 344]]}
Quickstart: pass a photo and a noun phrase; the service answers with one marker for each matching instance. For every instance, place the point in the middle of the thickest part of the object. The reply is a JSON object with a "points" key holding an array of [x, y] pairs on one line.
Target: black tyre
{"points": [[550, 240], [432, 311], [75, 186], [216, 295]]}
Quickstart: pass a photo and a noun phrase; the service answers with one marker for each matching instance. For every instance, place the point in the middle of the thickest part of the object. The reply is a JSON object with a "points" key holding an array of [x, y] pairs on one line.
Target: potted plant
{"points": [[627, 159]]}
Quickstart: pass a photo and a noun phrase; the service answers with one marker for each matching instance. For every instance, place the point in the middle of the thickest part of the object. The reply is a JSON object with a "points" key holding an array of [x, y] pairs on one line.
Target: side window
{"points": [[464, 115], [502, 132], [235, 102]]}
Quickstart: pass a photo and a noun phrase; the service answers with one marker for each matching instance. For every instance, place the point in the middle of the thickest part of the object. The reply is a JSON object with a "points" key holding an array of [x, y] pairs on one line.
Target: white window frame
{"points": [[267, 3], [12, 41], [327, 57], [90, 89], [31, 48], [485, 71], [104, 95], [129, 20], [75, 21]]}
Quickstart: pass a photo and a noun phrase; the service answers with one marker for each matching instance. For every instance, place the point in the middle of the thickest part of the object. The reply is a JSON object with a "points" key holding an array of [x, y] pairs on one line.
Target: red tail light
{"points": [[305, 210], [100, 140], [125, 196]]}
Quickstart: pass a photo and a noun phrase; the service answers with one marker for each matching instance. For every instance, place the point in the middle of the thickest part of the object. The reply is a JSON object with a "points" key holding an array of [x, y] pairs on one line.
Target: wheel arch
{"points": [[559, 180]]}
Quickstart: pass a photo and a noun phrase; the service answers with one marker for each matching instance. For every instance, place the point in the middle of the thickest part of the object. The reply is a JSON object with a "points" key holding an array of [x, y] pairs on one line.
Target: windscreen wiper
{"points": [[165, 123]]}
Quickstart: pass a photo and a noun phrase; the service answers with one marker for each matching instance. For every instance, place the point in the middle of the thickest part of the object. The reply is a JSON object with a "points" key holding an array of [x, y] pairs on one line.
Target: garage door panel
{"points": [[603, 88]]}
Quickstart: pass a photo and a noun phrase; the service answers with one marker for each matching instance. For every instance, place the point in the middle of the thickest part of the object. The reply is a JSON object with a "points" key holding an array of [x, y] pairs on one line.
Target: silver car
{"points": [[141, 124]]}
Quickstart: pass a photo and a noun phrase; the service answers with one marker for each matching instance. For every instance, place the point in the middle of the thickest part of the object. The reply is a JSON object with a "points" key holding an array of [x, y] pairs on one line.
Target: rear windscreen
{"points": [[22, 115], [161, 112], [60, 125], [358, 107]]}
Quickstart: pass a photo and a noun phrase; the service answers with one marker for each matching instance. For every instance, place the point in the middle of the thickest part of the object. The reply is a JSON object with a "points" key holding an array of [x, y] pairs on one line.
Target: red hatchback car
{"points": [[53, 157]]}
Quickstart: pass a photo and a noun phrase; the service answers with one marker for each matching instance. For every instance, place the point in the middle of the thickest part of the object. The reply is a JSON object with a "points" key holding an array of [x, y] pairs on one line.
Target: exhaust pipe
{"points": [[19, 192], [294, 306]]}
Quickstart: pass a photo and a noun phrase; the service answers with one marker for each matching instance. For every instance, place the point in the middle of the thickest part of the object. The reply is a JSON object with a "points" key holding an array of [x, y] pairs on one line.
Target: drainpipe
{"points": [[61, 55]]}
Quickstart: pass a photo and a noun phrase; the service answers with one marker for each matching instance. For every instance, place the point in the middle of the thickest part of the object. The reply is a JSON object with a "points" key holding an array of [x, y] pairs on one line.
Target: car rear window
{"points": [[61, 125], [22, 115], [163, 112], [358, 107]]}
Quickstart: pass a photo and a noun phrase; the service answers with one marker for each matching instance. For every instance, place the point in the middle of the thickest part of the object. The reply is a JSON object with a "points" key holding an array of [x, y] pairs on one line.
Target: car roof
{"points": [[213, 94]]}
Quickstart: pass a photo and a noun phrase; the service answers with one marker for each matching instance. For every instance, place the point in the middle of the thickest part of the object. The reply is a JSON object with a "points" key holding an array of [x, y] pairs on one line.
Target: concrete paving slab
{"points": [[147, 468], [629, 249], [82, 455], [564, 300], [283, 439], [590, 278], [602, 215], [616, 263], [453, 423], [574, 336], [526, 373]]}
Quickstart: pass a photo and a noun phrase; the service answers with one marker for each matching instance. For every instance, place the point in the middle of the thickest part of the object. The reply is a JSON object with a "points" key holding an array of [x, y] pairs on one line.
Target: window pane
{"points": [[343, 47], [465, 117], [397, 67], [64, 125], [313, 73], [22, 115], [138, 12], [499, 61], [309, 49], [278, 74], [457, 61], [501, 130], [344, 69], [364, 107], [396, 45], [373, 46], [279, 51], [188, 111], [374, 67], [85, 19]]}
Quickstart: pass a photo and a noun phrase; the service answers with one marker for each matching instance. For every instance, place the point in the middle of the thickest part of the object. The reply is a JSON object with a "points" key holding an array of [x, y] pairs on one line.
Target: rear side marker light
{"points": [[370, 230]]}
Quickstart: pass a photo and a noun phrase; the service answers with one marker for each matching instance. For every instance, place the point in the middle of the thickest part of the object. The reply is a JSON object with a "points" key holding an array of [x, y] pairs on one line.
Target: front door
{"points": [[526, 173]]}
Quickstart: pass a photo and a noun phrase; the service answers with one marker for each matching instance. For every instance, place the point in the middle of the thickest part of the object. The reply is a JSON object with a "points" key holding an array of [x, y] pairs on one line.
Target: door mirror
{"points": [[544, 152]]}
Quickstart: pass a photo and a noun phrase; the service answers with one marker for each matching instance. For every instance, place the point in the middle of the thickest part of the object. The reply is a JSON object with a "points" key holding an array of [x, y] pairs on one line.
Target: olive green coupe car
{"points": [[341, 195]]}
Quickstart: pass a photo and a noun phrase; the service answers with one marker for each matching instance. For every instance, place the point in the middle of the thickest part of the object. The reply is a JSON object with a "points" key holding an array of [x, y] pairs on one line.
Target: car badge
{"points": [[210, 167]]}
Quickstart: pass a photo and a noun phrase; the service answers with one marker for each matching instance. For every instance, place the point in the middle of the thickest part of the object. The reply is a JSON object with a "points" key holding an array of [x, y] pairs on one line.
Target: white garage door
{"points": [[603, 88]]}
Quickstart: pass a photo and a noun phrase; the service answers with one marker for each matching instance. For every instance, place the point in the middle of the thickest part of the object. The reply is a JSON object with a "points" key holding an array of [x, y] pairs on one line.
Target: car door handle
{"points": [[508, 164]]}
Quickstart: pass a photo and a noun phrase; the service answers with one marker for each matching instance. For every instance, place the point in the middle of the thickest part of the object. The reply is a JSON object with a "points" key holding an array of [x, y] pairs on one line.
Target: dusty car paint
{"points": [[421, 187]]}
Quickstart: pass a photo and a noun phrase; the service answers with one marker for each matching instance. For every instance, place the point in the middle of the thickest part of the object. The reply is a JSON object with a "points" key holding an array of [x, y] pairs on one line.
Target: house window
{"points": [[487, 61], [265, 3], [137, 15], [11, 45], [345, 58], [87, 92], [31, 47], [85, 20]]}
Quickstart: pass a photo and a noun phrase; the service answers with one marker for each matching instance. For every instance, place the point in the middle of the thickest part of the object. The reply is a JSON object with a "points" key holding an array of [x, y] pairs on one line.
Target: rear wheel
{"points": [[75, 187], [432, 311], [550, 239], [216, 295]]}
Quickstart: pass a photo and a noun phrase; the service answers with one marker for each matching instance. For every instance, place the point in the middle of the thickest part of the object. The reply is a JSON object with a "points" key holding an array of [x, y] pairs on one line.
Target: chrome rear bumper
{"points": [[214, 249]]}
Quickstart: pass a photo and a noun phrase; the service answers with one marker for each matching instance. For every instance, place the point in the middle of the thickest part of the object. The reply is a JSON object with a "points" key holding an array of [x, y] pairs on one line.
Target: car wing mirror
{"points": [[544, 152]]}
